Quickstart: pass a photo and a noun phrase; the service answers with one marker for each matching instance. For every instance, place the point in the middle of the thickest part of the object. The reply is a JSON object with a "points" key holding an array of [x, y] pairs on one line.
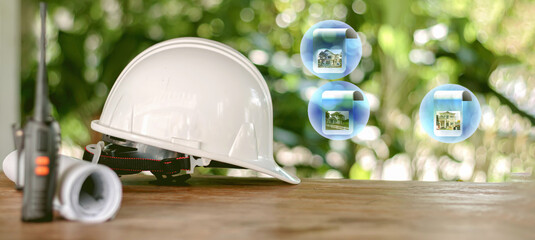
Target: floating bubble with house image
{"points": [[331, 49]]}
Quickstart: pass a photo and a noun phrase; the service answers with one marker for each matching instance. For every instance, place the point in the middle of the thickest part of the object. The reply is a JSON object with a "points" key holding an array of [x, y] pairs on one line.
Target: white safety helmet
{"points": [[197, 97]]}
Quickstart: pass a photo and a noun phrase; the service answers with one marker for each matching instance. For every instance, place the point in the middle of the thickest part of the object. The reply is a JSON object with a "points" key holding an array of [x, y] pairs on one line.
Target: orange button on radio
{"points": [[41, 171], [42, 160]]}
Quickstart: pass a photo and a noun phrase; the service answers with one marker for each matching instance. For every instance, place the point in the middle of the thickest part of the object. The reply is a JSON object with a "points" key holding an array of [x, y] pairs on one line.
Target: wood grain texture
{"points": [[254, 208]]}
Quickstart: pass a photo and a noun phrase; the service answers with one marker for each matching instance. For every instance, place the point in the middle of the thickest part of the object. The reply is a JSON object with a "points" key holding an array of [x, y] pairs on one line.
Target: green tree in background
{"points": [[409, 47]]}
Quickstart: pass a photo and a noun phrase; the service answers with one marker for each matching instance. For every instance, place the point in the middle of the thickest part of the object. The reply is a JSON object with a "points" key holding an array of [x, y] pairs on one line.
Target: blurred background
{"points": [[409, 47]]}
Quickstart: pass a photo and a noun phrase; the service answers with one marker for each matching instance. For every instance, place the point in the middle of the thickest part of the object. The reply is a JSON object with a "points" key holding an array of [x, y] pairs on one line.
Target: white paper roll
{"points": [[86, 192]]}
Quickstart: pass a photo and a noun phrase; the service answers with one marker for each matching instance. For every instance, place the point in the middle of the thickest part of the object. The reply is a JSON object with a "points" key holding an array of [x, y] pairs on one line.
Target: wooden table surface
{"points": [[255, 208]]}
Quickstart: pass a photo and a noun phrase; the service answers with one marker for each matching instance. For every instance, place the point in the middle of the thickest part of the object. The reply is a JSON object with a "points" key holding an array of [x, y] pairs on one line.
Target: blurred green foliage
{"points": [[409, 47]]}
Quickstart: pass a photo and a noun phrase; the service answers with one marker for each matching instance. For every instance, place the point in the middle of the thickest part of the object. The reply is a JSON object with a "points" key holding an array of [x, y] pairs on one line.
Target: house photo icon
{"points": [[329, 59], [338, 106]]}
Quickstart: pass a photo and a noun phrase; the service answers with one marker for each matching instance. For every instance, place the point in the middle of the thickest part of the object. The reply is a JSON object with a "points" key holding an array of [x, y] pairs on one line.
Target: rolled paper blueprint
{"points": [[86, 192]]}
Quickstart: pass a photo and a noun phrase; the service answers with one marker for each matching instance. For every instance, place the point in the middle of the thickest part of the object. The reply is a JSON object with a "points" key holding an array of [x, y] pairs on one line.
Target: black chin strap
{"points": [[130, 162]]}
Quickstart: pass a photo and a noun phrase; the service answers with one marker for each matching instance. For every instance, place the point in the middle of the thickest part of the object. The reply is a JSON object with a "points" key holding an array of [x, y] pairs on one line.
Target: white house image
{"points": [[448, 121], [328, 59]]}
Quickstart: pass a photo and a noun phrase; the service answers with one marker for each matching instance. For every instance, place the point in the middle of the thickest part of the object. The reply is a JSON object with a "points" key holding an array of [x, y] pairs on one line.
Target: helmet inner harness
{"points": [[127, 157]]}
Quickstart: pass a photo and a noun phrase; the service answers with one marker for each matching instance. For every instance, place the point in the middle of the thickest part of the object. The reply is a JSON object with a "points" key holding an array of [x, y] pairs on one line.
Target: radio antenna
{"points": [[42, 111]]}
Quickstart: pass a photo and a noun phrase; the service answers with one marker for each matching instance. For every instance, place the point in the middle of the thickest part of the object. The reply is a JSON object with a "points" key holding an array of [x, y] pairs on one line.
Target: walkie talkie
{"points": [[41, 140]]}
